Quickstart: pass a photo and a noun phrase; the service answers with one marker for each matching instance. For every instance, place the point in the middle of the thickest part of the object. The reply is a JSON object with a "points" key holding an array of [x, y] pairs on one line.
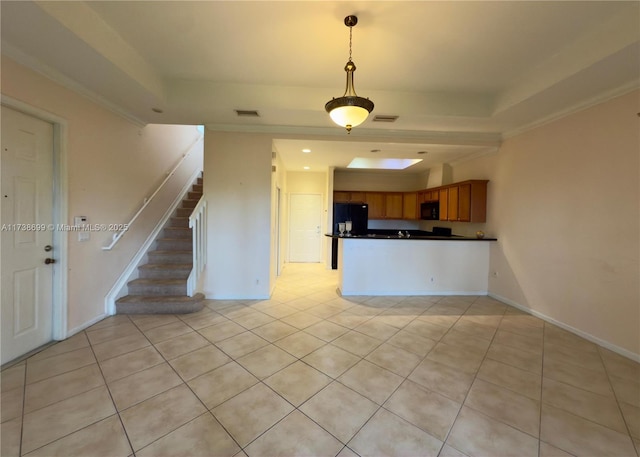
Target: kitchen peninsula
{"points": [[398, 264]]}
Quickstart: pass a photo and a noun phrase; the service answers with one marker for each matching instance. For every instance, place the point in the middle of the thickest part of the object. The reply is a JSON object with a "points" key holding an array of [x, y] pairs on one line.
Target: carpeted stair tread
{"points": [[154, 281], [177, 304], [166, 266]]}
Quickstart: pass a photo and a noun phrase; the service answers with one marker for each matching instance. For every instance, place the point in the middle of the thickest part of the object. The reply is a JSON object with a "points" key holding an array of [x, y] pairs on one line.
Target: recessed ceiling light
{"points": [[422, 152], [375, 150], [307, 168], [306, 151], [247, 113], [382, 164], [157, 110]]}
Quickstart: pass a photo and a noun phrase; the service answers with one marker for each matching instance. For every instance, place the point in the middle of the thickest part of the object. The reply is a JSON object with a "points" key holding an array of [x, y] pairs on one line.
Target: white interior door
{"points": [[27, 234], [305, 216]]}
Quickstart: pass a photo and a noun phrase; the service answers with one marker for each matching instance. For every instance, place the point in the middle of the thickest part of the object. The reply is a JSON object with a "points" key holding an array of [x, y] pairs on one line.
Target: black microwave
{"points": [[430, 211]]}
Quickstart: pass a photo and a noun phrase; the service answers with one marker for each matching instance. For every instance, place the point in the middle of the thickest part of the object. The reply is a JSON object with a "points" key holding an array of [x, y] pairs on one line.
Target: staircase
{"points": [[161, 287]]}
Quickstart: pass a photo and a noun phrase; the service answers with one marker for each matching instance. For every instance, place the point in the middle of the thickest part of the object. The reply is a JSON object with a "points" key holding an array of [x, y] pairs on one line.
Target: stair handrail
{"points": [[147, 201], [198, 226]]}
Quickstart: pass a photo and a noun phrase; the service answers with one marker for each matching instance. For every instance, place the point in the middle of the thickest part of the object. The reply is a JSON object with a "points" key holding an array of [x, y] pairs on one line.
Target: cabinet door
{"points": [[339, 196], [393, 206], [443, 198], [452, 204], [376, 202], [464, 202], [358, 197], [410, 205]]}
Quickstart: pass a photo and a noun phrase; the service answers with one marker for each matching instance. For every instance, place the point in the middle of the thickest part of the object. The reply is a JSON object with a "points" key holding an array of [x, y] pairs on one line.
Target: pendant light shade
{"points": [[349, 110]]}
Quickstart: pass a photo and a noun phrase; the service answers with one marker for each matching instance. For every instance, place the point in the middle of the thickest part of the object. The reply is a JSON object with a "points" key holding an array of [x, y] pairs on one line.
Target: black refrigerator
{"points": [[358, 214]]}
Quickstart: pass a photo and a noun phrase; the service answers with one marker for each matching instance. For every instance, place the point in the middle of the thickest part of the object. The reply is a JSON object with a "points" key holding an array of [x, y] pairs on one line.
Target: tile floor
{"points": [[308, 373]]}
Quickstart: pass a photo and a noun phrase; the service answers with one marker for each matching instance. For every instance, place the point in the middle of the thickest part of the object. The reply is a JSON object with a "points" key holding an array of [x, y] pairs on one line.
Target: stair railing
{"points": [[198, 225]]}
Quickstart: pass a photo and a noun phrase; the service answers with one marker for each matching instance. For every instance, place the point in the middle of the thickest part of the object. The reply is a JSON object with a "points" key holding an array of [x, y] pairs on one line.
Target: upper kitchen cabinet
{"points": [[376, 201], [464, 202], [410, 206], [340, 196], [393, 206]]}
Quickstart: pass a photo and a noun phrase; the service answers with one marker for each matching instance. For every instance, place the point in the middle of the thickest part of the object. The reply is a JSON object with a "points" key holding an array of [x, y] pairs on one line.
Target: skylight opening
{"points": [[382, 164]]}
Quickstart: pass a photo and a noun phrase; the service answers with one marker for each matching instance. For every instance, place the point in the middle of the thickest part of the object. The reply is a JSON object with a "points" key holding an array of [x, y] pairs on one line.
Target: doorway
{"points": [[305, 221], [32, 286]]}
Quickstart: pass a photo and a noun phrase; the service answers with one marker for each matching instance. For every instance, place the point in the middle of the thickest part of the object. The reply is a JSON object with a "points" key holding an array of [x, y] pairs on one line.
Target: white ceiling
{"points": [[460, 75]]}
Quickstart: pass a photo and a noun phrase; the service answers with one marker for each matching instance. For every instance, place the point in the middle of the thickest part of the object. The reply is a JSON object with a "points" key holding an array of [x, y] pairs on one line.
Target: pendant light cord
{"points": [[350, 36]]}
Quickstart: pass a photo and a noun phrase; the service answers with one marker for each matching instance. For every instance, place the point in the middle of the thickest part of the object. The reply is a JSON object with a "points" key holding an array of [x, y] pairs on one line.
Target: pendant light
{"points": [[349, 110]]}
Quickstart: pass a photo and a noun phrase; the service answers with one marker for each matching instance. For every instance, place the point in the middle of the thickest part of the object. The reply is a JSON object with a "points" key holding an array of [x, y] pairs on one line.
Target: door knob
{"points": [[48, 248], [49, 261]]}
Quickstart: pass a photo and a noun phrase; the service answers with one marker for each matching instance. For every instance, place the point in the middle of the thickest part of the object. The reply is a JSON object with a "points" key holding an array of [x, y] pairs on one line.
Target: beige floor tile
{"points": [[339, 410], [159, 415], [394, 359], [120, 346], [325, 310], [303, 303], [203, 436], [450, 382], [581, 437], [142, 385], [626, 390], [348, 319], [387, 434], [619, 366], [10, 438], [77, 341], [13, 377], [12, 403], [372, 381], [518, 358], [476, 434], [279, 311], [58, 364], [574, 356], [398, 321], [266, 361], [296, 434], [326, 331], [132, 362], [331, 360], [474, 329], [346, 452], [426, 329], [300, 344], [111, 321], [180, 345], [301, 320], [148, 321], [165, 332], [199, 362], [253, 320], [125, 328], [593, 381], [456, 357], [103, 438], [221, 384], [523, 342], [520, 381], [357, 343], [52, 422], [505, 406], [632, 418], [466, 341], [449, 451], [430, 411], [236, 310], [249, 414], [203, 319], [597, 408], [297, 383], [413, 343], [556, 336], [241, 344], [547, 450], [275, 331], [221, 331], [378, 329], [437, 319], [51, 390], [636, 442]]}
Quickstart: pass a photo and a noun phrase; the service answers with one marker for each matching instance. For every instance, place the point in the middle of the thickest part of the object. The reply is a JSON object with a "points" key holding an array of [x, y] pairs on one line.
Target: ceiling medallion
{"points": [[349, 110]]}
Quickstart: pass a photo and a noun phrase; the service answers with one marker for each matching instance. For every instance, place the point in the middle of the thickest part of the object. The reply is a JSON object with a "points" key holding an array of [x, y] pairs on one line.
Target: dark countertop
{"points": [[413, 235]]}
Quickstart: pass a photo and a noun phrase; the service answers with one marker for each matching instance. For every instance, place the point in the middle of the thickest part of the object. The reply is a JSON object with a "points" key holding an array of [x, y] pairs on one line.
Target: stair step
{"points": [[179, 222], [165, 271], [141, 304], [173, 257], [160, 287], [200, 181], [174, 244], [193, 195], [190, 203], [184, 212], [177, 232], [197, 188]]}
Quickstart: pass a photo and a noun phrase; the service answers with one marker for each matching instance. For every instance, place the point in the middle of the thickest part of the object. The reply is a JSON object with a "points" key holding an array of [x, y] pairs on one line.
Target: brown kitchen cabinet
{"points": [[410, 206], [464, 202], [376, 201], [393, 208], [342, 196]]}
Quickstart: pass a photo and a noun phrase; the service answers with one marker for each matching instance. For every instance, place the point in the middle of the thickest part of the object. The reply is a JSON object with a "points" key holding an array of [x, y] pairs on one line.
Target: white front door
{"points": [[27, 234], [305, 216]]}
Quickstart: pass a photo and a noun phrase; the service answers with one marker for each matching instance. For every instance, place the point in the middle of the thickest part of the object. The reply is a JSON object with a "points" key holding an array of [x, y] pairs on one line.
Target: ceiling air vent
{"points": [[247, 113], [384, 118]]}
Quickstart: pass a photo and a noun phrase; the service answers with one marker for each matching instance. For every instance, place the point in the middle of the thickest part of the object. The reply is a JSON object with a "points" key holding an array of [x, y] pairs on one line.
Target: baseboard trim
{"points": [[86, 325], [587, 336]]}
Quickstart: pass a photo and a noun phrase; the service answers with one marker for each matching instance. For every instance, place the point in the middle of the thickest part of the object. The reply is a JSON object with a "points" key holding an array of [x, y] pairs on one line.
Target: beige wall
{"points": [[112, 165], [564, 204], [378, 181]]}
